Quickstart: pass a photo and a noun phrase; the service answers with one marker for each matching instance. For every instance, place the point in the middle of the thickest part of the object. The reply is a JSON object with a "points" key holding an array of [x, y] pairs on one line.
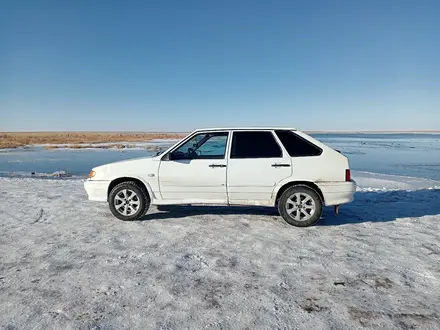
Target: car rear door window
{"points": [[296, 146], [257, 144]]}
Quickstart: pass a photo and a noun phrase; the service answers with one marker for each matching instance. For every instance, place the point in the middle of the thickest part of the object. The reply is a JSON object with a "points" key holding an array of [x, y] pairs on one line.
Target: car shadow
{"points": [[367, 207], [183, 211]]}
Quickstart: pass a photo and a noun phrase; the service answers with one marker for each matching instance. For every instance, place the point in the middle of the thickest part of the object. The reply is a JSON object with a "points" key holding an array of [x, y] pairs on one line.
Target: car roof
{"points": [[245, 129]]}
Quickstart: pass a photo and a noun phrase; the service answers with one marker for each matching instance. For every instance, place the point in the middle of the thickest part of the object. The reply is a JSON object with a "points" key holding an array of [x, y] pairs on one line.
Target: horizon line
{"points": [[189, 131]]}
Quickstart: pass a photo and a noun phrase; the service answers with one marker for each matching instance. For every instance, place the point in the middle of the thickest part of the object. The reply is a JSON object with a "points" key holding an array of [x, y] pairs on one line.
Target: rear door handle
{"points": [[217, 165], [280, 165]]}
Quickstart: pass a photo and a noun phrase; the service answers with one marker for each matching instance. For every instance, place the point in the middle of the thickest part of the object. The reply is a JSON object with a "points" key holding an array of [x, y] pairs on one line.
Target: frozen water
{"points": [[22, 162], [415, 155]]}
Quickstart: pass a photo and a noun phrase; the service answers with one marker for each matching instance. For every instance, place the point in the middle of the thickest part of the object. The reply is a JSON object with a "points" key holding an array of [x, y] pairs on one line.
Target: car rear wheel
{"points": [[300, 206], [128, 201]]}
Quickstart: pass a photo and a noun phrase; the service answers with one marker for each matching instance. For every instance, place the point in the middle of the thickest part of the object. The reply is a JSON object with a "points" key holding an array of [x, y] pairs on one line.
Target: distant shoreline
{"points": [[376, 132], [79, 140], [188, 132]]}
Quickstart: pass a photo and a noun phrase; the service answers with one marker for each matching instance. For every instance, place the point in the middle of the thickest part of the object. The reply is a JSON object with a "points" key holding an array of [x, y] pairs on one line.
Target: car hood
{"points": [[128, 161], [131, 167]]}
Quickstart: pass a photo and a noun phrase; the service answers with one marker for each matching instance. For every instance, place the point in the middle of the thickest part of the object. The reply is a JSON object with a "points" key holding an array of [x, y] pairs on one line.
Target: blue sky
{"points": [[179, 65]]}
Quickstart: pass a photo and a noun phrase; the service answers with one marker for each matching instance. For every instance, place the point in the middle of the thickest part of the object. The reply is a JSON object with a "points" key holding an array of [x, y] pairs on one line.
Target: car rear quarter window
{"points": [[297, 146], [255, 145]]}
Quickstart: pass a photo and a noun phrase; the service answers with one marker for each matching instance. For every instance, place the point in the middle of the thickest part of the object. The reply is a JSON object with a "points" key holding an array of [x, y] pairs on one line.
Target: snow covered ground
{"points": [[66, 263]]}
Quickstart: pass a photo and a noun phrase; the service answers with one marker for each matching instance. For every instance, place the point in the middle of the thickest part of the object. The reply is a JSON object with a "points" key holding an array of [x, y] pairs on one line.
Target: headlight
{"points": [[91, 174]]}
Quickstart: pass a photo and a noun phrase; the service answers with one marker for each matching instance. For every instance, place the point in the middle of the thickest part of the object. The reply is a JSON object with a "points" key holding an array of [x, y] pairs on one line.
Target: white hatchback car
{"points": [[278, 167]]}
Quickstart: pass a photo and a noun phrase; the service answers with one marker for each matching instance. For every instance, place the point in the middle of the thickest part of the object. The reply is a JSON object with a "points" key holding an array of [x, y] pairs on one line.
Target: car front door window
{"points": [[203, 146]]}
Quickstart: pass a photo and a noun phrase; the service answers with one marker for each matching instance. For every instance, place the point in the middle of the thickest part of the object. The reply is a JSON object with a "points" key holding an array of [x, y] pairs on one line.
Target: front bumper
{"points": [[97, 190]]}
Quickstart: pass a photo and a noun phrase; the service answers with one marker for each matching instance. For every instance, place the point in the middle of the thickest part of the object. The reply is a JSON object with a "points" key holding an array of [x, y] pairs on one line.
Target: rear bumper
{"points": [[336, 193], [96, 190]]}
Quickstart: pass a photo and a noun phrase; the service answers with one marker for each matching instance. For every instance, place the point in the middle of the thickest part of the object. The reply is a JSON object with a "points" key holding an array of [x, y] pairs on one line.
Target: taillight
{"points": [[347, 175]]}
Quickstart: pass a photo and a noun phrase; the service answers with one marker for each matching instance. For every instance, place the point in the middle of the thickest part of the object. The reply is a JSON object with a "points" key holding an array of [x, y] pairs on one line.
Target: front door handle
{"points": [[217, 165], [280, 165]]}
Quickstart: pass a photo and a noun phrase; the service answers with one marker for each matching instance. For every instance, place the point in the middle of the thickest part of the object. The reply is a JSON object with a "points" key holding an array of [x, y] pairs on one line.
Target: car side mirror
{"points": [[176, 156]]}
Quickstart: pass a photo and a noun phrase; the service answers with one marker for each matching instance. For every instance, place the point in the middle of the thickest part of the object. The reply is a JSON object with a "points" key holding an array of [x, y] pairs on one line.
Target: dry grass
{"points": [[20, 139], [101, 146]]}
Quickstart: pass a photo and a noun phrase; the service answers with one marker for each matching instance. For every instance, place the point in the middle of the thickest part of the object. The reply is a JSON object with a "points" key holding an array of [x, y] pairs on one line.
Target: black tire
{"points": [[141, 197], [304, 220]]}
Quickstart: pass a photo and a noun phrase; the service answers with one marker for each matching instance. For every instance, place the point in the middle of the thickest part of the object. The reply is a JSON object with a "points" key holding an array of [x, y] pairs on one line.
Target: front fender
{"points": [[129, 177]]}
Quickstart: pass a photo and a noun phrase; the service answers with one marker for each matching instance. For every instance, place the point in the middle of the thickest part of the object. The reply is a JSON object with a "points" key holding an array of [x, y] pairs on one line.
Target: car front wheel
{"points": [[300, 206], [128, 201]]}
